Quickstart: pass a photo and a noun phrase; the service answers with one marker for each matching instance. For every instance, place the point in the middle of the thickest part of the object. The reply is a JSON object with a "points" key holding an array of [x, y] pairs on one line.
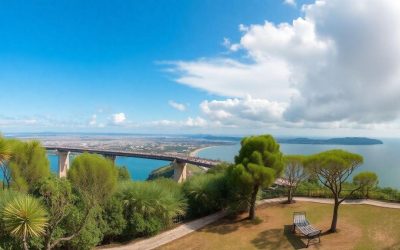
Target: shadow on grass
{"points": [[275, 239], [225, 226]]}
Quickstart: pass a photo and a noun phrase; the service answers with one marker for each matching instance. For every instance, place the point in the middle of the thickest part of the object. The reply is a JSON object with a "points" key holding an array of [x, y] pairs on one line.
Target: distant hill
{"points": [[333, 141]]}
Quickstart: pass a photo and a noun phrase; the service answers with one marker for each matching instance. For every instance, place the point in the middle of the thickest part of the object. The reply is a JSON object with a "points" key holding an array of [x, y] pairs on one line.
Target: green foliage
{"points": [[5, 155], [220, 168], [258, 164], [58, 197], [332, 168], [113, 216], [150, 206], [28, 164], [206, 193], [94, 175], [92, 232], [123, 173], [294, 173], [24, 217], [162, 172], [367, 180]]}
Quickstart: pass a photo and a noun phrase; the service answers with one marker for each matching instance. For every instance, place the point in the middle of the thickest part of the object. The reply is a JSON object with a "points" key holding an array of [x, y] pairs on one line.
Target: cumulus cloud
{"points": [[177, 106], [234, 112], [118, 118], [338, 64]]}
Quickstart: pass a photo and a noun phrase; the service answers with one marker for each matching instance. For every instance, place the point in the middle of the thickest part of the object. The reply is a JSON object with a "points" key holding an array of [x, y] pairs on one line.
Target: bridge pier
{"points": [[63, 163], [180, 173], [110, 157]]}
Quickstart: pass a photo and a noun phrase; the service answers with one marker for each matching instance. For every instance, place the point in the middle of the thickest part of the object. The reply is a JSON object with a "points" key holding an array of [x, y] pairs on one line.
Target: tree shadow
{"points": [[294, 239], [225, 226], [274, 239], [269, 239], [394, 246]]}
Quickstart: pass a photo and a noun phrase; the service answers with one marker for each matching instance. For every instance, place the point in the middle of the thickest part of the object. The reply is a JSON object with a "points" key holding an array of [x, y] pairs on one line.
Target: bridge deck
{"points": [[154, 156]]}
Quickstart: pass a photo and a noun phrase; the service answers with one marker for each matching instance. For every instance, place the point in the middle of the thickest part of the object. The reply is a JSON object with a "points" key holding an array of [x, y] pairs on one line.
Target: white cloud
{"points": [[93, 120], [190, 122], [339, 64], [290, 2], [235, 112], [177, 106], [227, 77], [16, 121], [118, 118]]}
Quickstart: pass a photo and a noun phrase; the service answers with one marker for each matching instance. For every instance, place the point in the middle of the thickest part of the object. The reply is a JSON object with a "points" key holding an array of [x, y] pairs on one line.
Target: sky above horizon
{"points": [[285, 67]]}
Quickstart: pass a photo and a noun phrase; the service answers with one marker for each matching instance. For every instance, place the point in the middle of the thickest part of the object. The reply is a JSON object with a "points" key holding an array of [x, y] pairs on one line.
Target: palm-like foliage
{"points": [[151, 206], [206, 193], [24, 217]]}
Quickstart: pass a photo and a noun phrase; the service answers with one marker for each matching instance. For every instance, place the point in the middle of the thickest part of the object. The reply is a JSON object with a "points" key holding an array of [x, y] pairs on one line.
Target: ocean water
{"points": [[139, 169], [383, 159]]}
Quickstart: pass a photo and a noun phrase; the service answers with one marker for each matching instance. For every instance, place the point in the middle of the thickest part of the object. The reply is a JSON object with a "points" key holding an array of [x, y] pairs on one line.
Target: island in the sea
{"points": [[332, 141]]}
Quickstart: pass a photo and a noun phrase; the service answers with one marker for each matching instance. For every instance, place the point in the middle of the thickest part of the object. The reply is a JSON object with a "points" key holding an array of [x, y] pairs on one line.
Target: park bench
{"points": [[301, 223]]}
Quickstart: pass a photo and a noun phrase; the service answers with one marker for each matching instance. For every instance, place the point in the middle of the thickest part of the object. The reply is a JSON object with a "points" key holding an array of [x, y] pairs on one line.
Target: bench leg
{"points": [[294, 228]]}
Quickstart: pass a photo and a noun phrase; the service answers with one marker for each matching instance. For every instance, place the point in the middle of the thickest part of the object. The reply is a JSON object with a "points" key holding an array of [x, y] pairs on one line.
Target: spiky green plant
{"points": [[24, 217], [151, 206]]}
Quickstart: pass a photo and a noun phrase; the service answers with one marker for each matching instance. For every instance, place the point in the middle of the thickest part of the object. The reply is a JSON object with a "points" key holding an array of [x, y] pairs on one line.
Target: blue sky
{"points": [[133, 66]]}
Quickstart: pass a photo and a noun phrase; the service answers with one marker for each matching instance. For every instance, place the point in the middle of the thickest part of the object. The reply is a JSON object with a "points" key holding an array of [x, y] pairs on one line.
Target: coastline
{"points": [[198, 150]]}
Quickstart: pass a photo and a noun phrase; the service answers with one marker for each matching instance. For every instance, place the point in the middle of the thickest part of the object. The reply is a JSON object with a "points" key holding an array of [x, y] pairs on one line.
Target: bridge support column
{"points": [[110, 157], [179, 171], [63, 163]]}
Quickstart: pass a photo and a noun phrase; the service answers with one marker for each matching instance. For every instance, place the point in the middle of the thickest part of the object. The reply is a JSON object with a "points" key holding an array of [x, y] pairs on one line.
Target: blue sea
{"points": [[139, 169], [383, 159]]}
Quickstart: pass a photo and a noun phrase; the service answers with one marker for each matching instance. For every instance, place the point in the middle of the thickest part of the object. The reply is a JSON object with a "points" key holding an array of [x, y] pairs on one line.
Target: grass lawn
{"points": [[359, 227]]}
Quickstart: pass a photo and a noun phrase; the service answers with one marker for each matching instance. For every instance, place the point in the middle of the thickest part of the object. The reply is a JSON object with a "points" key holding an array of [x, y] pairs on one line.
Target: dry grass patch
{"points": [[359, 227]]}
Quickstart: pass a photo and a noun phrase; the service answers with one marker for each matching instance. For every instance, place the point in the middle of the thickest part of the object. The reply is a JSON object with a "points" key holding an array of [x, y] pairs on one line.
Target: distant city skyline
{"points": [[285, 67]]}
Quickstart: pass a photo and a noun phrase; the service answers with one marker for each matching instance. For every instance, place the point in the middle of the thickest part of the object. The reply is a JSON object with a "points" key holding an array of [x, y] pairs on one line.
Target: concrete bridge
{"points": [[179, 161]]}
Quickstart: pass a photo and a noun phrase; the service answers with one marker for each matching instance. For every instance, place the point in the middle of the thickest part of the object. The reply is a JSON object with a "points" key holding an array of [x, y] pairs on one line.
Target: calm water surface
{"points": [[382, 159], [138, 168]]}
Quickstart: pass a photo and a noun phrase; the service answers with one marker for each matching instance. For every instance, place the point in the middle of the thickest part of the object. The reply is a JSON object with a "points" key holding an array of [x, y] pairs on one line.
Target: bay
{"points": [[139, 169], [382, 159]]}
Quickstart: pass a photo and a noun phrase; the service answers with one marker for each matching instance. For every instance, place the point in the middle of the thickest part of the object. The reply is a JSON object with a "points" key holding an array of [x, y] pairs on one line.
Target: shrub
{"points": [[206, 194], [94, 175], [150, 206]]}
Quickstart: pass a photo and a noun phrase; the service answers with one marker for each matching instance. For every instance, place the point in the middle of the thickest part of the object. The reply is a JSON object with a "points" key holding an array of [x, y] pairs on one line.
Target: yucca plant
{"points": [[24, 217]]}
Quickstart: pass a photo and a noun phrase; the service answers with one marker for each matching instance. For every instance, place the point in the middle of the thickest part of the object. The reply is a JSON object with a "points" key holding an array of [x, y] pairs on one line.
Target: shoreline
{"points": [[198, 150]]}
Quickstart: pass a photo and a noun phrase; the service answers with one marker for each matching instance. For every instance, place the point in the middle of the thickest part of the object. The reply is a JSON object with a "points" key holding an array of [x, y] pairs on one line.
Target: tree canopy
{"points": [[294, 173], [257, 165], [366, 180], [332, 168], [94, 175], [28, 163]]}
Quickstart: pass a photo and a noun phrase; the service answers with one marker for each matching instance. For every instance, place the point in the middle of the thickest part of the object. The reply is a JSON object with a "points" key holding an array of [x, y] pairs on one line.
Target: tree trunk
{"points": [[25, 243], [252, 211], [335, 216], [290, 195]]}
